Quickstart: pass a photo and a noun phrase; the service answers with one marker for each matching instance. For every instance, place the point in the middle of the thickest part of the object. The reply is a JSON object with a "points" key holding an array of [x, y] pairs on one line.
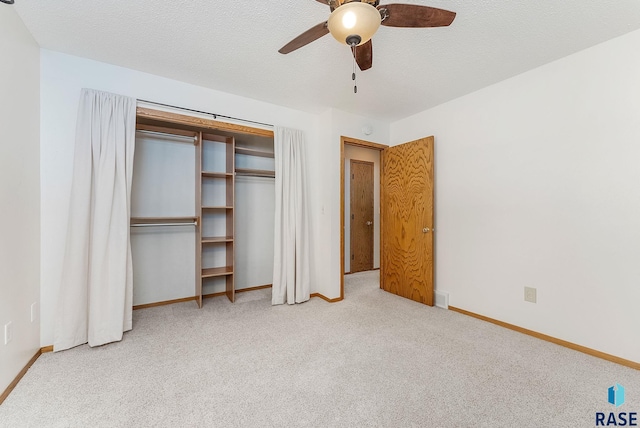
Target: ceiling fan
{"points": [[354, 22]]}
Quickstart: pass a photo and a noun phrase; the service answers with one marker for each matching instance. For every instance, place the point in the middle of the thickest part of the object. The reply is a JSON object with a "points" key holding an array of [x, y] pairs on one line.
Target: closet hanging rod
{"points": [[193, 223], [215, 115], [186, 137]]}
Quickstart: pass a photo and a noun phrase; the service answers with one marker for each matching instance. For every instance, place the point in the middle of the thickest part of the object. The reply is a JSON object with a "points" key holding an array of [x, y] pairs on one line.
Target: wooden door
{"points": [[407, 220], [361, 222]]}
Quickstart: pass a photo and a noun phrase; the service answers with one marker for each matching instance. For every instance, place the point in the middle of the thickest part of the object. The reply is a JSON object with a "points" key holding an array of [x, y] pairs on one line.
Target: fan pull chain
{"points": [[353, 74]]}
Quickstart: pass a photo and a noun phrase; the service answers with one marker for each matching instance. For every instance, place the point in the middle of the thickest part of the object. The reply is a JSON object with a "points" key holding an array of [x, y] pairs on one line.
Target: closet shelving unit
{"points": [[214, 207], [217, 207]]}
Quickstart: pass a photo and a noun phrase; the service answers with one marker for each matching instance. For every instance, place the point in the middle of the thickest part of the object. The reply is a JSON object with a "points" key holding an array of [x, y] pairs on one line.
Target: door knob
{"points": [[369, 223], [425, 230]]}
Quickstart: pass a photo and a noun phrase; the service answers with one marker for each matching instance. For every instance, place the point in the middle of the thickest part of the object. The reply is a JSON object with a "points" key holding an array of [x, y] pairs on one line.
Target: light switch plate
{"points": [[34, 314], [8, 333]]}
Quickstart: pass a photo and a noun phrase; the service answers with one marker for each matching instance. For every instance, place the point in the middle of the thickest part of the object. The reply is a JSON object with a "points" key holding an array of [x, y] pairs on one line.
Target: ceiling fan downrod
{"points": [[353, 41]]}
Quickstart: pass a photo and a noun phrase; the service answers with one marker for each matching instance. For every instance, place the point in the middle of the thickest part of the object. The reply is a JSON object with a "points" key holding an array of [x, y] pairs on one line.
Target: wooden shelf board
{"points": [[149, 220], [216, 239], [255, 172], [217, 208], [213, 138], [254, 152], [219, 271], [217, 174]]}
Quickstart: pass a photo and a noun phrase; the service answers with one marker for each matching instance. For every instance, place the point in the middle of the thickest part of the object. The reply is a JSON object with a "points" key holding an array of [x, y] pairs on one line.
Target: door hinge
{"points": [[353, 176], [352, 218], [352, 257]]}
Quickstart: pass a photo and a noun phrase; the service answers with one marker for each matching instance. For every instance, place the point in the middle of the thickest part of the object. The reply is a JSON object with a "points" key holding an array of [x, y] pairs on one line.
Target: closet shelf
{"points": [[216, 239], [254, 152], [173, 220], [217, 208], [217, 174], [219, 271], [190, 137], [255, 172]]}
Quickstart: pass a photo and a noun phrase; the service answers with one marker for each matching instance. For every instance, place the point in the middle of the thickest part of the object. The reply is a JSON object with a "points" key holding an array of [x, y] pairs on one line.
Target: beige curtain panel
{"points": [[96, 291], [291, 234]]}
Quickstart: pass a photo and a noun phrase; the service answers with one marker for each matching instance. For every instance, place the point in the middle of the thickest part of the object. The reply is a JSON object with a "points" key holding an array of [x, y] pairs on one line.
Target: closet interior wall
{"points": [[163, 193], [203, 206]]}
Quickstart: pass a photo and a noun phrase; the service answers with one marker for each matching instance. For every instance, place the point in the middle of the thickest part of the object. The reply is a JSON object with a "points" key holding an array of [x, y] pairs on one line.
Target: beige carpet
{"points": [[372, 360]]}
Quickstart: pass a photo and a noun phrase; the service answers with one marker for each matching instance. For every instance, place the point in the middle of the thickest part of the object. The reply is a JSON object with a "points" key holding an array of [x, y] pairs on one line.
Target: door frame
{"points": [[351, 244], [367, 145]]}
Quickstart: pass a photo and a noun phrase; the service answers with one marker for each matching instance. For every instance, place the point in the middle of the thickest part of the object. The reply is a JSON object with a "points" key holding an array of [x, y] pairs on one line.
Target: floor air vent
{"points": [[442, 299]]}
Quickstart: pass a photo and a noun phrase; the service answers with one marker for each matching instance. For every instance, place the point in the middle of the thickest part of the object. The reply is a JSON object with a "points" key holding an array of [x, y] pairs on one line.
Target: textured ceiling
{"points": [[232, 46]]}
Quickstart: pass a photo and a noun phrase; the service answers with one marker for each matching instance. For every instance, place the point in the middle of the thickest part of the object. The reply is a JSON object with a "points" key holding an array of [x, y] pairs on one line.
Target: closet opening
{"points": [[202, 213], [360, 201]]}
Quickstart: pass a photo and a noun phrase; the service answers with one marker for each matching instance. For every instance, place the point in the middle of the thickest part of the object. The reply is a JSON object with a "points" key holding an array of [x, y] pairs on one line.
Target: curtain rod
{"points": [[215, 115]]}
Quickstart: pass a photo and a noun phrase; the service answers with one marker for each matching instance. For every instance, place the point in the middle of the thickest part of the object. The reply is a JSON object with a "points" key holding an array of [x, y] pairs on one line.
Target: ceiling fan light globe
{"points": [[355, 18], [349, 19]]}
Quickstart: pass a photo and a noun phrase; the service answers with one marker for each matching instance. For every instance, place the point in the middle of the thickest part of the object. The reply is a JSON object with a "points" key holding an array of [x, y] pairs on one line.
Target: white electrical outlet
{"points": [[34, 313], [8, 333], [530, 294]]}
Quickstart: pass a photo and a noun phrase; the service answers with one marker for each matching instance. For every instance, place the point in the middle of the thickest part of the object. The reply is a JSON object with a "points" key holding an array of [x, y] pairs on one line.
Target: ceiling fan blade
{"points": [[305, 38], [364, 55], [415, 16]]}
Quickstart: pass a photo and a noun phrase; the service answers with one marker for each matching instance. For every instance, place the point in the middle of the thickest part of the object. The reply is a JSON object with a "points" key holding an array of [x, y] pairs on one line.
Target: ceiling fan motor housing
{"points": [[373, 3]]}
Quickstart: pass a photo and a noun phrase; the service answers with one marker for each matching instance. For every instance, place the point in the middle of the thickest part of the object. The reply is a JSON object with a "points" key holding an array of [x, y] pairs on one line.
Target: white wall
{"points": [[369, 155], [19, 193], [537, 184], [255, 216], [163, 186], [62, 78], [321, 231]]}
